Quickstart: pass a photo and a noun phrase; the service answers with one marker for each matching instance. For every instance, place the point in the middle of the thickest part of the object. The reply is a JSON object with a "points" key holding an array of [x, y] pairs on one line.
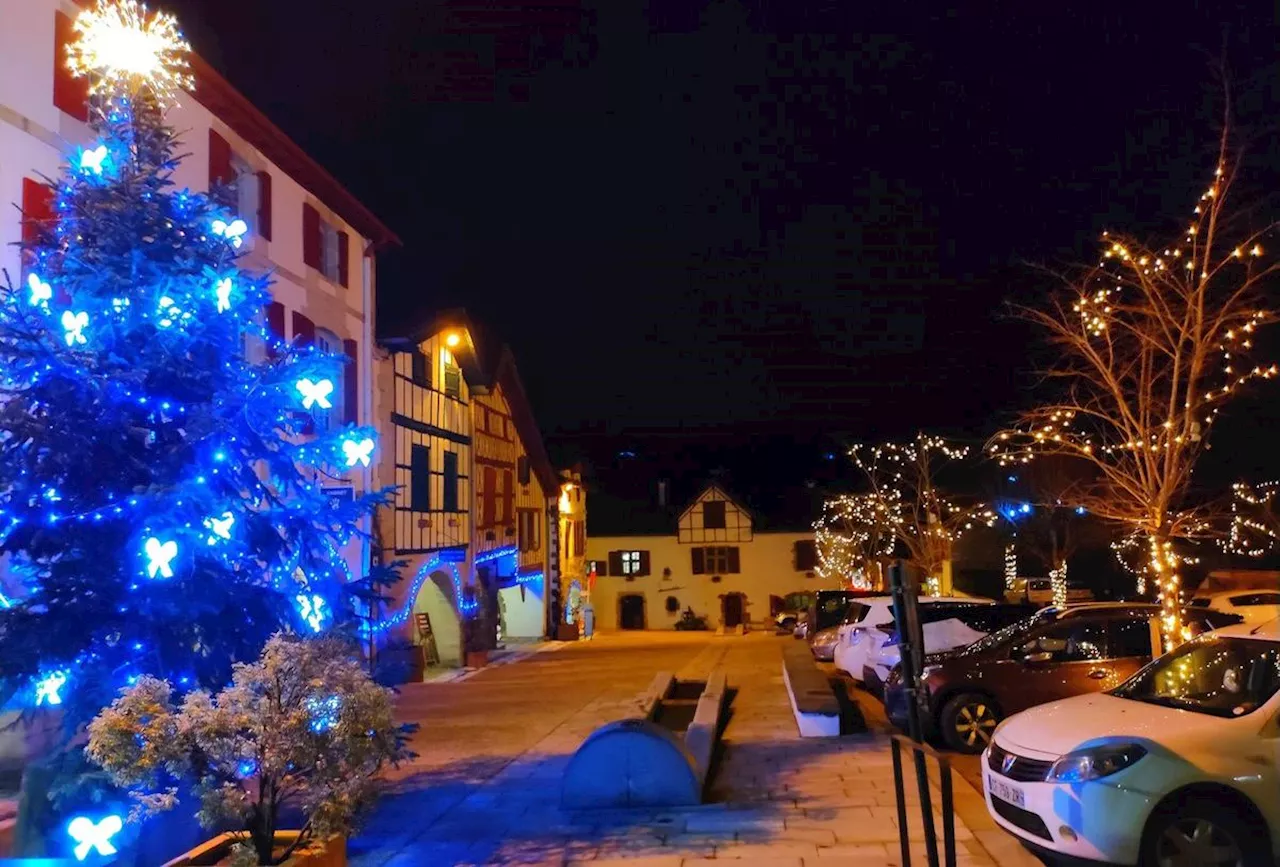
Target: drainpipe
{"points": [[366, 415]]}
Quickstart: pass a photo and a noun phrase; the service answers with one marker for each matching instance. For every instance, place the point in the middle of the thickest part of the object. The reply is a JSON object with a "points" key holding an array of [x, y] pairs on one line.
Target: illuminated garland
{"points": [[1247, 536]]}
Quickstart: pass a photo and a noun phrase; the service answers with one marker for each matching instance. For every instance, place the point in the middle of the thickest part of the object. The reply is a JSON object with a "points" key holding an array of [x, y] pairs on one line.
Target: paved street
{"points": [[485, 788]]}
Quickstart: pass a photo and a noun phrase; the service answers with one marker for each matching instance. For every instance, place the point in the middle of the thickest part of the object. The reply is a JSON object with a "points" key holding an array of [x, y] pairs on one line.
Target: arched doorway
{"points": [[732, 610], [631, 611], [435, 599]]}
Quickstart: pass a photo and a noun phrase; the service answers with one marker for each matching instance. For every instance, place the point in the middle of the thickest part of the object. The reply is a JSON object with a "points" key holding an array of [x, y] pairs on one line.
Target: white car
{"points": [[860, 639], [1255, 606], [1178, 766]]}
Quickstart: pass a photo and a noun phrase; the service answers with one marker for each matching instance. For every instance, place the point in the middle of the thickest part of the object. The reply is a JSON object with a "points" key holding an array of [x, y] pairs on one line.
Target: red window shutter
{"points": [[615, 562], [70, 94], [220, 171], [508, 496], [264, 204], [37, 211], [275, 323], [304, 330], [699, 557], [644, 563], [344, 258], [310, 236], [735, 564], [351, 384], [487, 499]]}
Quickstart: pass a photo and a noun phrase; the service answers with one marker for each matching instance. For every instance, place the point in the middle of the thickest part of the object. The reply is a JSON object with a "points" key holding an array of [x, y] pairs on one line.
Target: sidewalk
{"points": [[777, 800]]}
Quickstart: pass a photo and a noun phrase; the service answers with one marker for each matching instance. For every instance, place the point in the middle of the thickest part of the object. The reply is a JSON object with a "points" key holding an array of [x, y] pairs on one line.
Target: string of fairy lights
{"points": [[1143, 387], [904, 505]]}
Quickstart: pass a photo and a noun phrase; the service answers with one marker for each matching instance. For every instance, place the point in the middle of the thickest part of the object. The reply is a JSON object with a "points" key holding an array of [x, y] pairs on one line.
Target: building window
{"points": [[450, 497], [421, 368], [716, 560], [806, 555], [452, 375], [530, 530], [327, 341], [522, 469], [713, 515], [600, 567], [634, 564], [488, 496], [508, 498], [420, 478], [324, 247]]}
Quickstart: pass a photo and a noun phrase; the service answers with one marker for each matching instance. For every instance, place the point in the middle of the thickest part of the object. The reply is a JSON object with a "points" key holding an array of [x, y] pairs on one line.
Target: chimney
{"points": [[662, 492]]}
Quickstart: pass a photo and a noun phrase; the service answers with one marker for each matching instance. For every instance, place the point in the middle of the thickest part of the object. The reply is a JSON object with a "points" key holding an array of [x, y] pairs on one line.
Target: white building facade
{"points": [[318, 241], [712, 561]]}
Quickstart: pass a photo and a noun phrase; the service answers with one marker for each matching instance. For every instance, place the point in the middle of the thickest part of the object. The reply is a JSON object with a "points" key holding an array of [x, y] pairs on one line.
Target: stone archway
{"points": [[435, 599]]}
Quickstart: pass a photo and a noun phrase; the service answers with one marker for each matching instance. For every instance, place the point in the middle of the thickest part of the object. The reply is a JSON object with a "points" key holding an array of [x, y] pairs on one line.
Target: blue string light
{"points": [[496, 554]]}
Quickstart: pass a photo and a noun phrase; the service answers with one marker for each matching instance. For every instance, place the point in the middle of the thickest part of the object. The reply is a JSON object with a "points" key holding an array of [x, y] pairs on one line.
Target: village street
{"points": [[485, 788]]}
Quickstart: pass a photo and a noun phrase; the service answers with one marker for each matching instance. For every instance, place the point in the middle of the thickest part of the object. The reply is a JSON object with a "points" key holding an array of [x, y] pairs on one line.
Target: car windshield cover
{"points": [[1220, 676]]}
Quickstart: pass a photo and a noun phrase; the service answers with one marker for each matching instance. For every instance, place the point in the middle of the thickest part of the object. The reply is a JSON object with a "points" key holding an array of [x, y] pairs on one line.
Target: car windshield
{"points": [[1220, 676], [1008, 633]]}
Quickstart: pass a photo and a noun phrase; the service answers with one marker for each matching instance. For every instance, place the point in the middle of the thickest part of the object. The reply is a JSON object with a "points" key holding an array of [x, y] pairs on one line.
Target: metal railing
{"points": [[920, 754]]}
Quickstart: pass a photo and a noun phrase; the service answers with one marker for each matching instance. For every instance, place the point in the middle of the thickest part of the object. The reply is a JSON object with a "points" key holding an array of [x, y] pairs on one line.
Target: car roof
{"points": [[1242, 591], [1269, 631]]}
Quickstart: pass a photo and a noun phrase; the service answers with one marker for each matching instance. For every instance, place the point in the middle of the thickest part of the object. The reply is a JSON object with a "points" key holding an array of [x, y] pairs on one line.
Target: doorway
{"points": [[631, 611], [731, 610]]}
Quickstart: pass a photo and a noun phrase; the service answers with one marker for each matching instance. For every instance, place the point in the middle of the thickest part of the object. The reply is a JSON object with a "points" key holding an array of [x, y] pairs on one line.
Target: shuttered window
{"points": [[344, 257], [450, 503], [311, 245], [806, 555], [522, 470], [508, 497], [420, 478], [70, 94], [264, 204], [220, 169]]}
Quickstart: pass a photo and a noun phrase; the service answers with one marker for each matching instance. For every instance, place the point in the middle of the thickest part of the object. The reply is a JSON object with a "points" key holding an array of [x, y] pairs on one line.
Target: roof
{"points": [[232, 108], [486, 362], [624, 510], [1269, 631]]}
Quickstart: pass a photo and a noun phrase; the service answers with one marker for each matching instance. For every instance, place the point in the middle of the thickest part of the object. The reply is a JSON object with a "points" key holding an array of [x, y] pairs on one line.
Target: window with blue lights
{"points": [[325, 419]]}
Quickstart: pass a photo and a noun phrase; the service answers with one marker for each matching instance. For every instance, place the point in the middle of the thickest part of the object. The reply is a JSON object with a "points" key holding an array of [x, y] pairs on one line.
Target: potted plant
{"points": [[302, 729]]}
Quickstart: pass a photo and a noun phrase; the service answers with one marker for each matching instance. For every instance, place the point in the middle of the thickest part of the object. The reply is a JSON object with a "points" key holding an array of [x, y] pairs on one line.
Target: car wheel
{"points": [[1205, 833], [968, 721]]}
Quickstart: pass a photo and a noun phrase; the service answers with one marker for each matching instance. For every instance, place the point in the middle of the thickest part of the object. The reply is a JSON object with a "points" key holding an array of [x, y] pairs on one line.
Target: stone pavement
{"points": [[486, 787]]}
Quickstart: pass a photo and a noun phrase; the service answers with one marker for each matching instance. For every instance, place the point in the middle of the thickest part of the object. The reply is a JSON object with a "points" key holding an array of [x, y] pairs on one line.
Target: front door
{"points": [[631, 611], [1065, 659], [732, 610]]}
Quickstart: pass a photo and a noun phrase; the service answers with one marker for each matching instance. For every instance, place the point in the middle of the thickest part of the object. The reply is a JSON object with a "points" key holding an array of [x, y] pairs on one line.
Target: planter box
{"points": [[327, 853]]}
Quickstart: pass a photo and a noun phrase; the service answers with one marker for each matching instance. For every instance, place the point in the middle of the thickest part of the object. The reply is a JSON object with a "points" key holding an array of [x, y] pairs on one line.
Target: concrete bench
{"points": [[816, 709], [649, 761]]}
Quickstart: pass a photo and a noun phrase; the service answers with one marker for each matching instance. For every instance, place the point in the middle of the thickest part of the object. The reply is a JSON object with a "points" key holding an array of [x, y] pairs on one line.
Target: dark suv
{"points": [[1052, 655]]}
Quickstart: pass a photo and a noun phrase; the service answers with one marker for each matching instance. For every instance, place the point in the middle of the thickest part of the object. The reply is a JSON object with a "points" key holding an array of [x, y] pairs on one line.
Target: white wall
{"points": [[767, 569]]}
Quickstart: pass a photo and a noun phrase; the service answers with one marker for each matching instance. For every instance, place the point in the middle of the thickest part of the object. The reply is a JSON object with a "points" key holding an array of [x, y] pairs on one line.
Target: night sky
{"points": [[753, 217]]}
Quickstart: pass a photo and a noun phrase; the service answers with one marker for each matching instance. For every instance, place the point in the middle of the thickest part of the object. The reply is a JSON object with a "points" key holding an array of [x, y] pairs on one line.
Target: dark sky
{"points": [[783, 216]]}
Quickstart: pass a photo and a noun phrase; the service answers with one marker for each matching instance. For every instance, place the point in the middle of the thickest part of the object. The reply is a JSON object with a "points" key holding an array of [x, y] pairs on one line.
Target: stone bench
{"points": [[815, 706]]}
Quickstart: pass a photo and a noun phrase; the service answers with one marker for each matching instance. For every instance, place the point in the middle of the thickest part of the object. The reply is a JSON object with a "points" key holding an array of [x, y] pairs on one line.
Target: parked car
{"points": [[823, 645], [859, 636], [828, 609], [945, 626], [1255, 606], [794, 607], [1176, 766], [1055, 654], [1039, 591]]}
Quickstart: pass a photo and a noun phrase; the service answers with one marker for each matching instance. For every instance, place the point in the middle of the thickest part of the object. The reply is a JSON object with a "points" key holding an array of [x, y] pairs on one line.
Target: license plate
{"points": [[1005, 792]]}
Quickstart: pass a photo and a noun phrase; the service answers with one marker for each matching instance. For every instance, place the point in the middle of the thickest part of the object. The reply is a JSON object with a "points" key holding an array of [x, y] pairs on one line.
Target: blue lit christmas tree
{"points": [[161, 499]]}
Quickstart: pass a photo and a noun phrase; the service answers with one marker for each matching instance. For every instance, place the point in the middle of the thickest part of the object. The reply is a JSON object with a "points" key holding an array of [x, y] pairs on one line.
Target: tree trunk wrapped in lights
{"points": [[1150, 343], [912, 507]]}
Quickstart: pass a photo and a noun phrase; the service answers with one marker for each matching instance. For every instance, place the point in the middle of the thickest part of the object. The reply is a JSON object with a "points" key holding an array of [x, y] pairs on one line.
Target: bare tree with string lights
{"points": [[1149, 344], [924, 519], [855, 537]]}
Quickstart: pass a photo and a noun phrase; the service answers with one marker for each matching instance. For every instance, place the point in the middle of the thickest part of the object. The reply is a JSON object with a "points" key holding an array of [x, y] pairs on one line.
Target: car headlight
{"points": [[1094, 763]]}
